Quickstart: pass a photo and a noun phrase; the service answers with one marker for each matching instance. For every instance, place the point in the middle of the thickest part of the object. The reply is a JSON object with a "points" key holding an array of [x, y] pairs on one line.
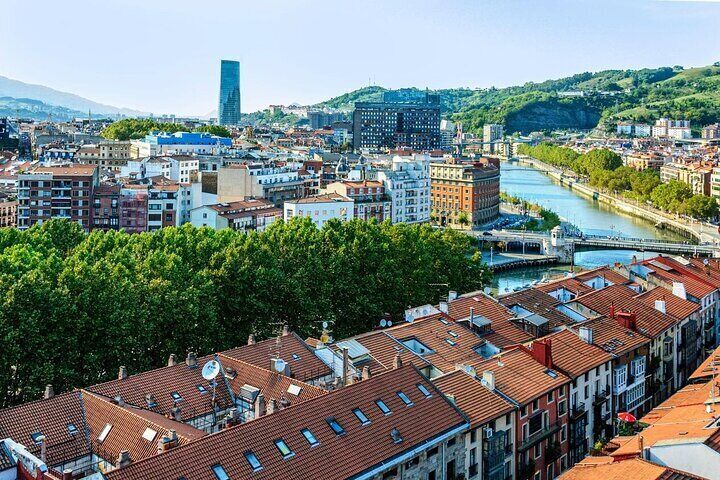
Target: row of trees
{"points": [[135, 128], [75, 306], [605, 172]]}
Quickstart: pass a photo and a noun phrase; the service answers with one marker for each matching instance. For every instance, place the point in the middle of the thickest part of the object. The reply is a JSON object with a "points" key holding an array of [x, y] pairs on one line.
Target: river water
{"points": [[589, 215]]}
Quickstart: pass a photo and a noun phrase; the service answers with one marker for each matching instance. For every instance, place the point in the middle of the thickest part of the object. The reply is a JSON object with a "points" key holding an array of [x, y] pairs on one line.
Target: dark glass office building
{"points": [[400, 120], [229, 104]]}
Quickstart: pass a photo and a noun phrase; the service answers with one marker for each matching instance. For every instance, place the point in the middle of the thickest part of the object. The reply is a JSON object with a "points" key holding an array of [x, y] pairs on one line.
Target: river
{"points": [[590, 216]]}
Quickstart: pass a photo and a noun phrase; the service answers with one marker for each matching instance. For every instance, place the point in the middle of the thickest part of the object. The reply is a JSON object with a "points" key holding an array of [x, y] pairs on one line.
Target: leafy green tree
{"points": [[701, 206], [218, 130], [135, 128]]}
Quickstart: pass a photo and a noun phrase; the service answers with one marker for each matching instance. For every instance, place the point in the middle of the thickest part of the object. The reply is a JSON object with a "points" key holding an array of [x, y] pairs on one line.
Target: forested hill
{"points": [[607, 96]]}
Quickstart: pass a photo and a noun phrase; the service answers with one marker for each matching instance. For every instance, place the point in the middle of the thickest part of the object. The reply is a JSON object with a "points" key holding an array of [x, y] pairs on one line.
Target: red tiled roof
{"points": [[539, 303], [570, 284], [478, 403], [503, 333], [305, 367], [605, 272], [608, 468], [675, 306], [573, 356], [612, 337], [51, 418], [520, 377], [361, 448], [709, 367]]}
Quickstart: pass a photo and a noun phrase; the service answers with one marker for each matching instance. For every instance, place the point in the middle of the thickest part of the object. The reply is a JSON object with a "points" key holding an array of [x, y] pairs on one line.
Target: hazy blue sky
{"points": [[164, 55]]}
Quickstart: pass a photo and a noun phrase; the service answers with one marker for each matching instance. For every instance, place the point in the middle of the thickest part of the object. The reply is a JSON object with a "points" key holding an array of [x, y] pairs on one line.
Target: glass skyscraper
{"points": [[229, 104]]}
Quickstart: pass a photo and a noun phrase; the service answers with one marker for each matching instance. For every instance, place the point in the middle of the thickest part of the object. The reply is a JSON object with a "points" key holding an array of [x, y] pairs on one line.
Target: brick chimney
{"points": [[124, 459], [49, 392], [67, 474], [272, 406], [366, 372], [251, 339], [260, 407], [285, 330], [167, 442], [122, 373], [612, 311], [191, 360], [627, 320], [398, 361], [172, 360], [176, 413], [542, 352]]}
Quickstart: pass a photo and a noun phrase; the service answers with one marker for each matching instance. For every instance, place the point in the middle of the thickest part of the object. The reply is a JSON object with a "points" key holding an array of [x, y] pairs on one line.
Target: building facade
{"points": [[229, 101]]}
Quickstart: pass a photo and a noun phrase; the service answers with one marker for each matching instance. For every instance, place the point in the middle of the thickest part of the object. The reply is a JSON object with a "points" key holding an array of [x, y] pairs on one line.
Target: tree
{"points": [[702, 207], [135, 128], [671, 196], [463, 219], [218, 130]]}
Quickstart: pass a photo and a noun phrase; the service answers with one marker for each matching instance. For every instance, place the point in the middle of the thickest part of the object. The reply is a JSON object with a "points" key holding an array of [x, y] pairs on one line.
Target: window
{"points": [[176, 396], [201, 389], [105, 431], [561, 408], [309, 437], [295, 356], [284, 449], [336, 427], [149, 434], [72, 429], [537, 450], [383, 408], [37, 437], [535, 405], [550, 397], [423, 389], [251, 459], [523, 411], [432, 452], [364, 420], [563, 433], [404, 398]]}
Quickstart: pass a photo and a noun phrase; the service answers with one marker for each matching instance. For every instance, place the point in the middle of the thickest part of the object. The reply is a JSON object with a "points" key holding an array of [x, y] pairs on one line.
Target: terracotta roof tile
{"points": [[708, 367], [478, 403], [573, 356], [539, 303], [503, 332], [675, 306], [358, 450], [612, 337], [600, 468]]}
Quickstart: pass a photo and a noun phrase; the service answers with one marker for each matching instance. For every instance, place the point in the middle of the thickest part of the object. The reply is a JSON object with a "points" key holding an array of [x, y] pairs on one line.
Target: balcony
{"points": [[601, 396], [539, 436], [577, 411], [526, 470]]}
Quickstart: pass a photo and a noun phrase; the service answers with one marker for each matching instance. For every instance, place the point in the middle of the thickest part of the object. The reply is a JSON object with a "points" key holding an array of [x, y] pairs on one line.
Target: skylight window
{"points": [[309, 437], [149, 434], [450, 342], [383, 408], [220, 472], [295, 356], [176, 396], [364, 420], [72, 429], [551, 374], [423, 389], [404, 398], [105, 431], [252, 460], [336, 427], [201, 389], [442, 319], [294, 389], [453, 334], [284, 449], [37, 437]]}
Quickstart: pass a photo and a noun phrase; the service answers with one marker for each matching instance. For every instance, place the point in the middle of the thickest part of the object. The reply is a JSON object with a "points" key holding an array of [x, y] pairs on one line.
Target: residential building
{"points": [[8, 210], [169, 203], [320, 208], [179, 168], [243, 215], [697, 176], [448, 132], [106, 208], [644, 161], [319, 119], [464, 193], [255, 180], [492, 133], [229, 98], [369, 198], [112, 155], [397, 122], [134, 208], [606, 467], [56, 192], [408, 184], [711, 132]]}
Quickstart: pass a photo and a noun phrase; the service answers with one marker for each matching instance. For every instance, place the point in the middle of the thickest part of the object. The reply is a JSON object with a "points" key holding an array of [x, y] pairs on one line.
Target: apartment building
{"points": [[179, 168], [242, 216], [464, 193], [369, 198], [696, 175], [255, 180], [134, 208], [8, 210], [106, 208], [112, 155], [56, 192], [179, 143], [711, 132], [644, 161], [320, 208], [408, 185]]}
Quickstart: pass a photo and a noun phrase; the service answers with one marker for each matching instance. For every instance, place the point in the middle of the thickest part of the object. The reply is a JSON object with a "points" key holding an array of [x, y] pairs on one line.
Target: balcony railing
{"points": [[538, 436], [577, 411], [601, 396]]}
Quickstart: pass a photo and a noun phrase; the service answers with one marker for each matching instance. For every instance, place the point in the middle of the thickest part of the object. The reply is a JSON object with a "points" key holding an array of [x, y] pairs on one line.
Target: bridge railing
{"points": [[634, 239]]}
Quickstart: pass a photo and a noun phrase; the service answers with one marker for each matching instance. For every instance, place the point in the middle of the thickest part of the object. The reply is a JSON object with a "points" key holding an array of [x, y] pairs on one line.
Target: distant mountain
{"points": [[35, 109], [49, 96]]}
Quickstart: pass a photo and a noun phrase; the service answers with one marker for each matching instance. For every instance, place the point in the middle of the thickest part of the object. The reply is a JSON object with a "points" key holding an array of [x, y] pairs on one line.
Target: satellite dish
{"points": [[706, 261], [325, 325], [211, 370], [383, 323], [389, 323]]}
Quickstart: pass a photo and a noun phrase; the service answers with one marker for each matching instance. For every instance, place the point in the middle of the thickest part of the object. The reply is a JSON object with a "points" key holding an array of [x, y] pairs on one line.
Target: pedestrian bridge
{"points": [[556, 243]]}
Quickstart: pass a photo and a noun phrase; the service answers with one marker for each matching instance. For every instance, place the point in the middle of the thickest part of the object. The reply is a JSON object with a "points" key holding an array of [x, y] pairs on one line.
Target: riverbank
{"points": [[704, 233]]}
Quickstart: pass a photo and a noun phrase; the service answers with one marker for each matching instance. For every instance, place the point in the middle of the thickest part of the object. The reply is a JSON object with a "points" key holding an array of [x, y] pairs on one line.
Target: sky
{"points": [[163, 56]]}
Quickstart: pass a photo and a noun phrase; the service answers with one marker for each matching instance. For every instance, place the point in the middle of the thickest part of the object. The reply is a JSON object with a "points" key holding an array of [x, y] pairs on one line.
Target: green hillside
{"points": [[608, 96]]}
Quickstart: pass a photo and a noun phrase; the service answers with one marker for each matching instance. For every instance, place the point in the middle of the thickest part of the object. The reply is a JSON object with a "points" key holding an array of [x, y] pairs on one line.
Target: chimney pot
{"points": [[124, 459], [285, 330], [345, 365], [366, 372], [260, 407], [67, 474], [122, 373], [398, 361], [272, 406], [191, 360], [251, 339], [49, 392], [172, 360]]}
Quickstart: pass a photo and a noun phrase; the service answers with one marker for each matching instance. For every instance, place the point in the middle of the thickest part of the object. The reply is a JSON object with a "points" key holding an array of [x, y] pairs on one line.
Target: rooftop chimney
{"points": [[124, 459], [260, 407], [284, 402], [167, 442], [472, 315], [345, 365], [285, 330], [660, 305], [542, 352], [251, 339], [43, 448], [627, 320], [444, 307], [586, 335], [450, 397], [452, 295], [122, 373], [49, 392], [366, 372], [172, 360], [612, 310], [272, 406], [678, 289], [398, 361], [488, 380], [119, 401], [67, 474], [176, 413], [191, 360]]}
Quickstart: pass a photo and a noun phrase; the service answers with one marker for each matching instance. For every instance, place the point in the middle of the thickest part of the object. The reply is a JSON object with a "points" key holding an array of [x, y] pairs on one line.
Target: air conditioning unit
{"points": [[489, 432]]}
